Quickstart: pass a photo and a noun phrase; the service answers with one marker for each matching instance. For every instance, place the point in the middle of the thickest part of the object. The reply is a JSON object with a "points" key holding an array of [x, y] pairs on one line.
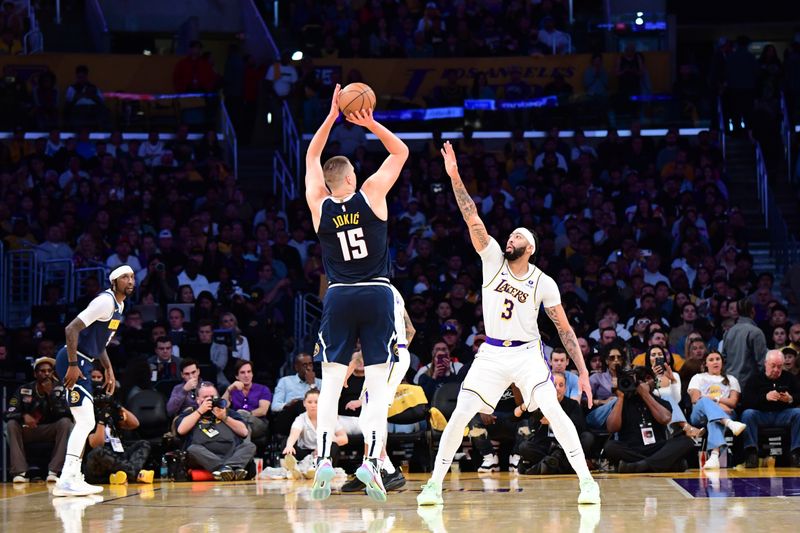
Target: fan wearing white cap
{"points": [[513, 292], [87, 337]]}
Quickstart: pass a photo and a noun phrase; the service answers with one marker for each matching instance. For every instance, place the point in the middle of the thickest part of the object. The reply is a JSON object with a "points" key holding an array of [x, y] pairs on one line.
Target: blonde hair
{"points": [[335, 169]]}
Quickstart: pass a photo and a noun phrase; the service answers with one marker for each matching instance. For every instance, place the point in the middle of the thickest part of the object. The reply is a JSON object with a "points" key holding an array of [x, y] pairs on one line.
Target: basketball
{"points": [[356, 97]]}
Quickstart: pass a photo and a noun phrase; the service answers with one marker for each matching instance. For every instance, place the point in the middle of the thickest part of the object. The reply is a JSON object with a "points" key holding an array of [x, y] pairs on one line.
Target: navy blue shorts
{"points": [[357, 312], [83, 387]]}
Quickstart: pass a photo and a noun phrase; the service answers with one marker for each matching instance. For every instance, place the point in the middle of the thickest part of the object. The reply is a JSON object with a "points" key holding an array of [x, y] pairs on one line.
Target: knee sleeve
{"points": [[333, 375], [373, 412]]}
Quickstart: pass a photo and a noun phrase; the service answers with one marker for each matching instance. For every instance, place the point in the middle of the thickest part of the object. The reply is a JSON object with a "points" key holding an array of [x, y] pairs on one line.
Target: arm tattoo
{"points": [[476, 229], [567, 335]]}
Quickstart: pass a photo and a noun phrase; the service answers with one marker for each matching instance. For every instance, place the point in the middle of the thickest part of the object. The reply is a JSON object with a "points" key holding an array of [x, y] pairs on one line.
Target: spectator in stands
{"points": [[688, 318], [790, 362], [83, 102], [236, 347], [604, 384], [11, 368], [177, 320], [595, 79], [164, 365], [151, 150], [45, 101], [251, 400], [194, 73], [216, 437], [9, 44], [744, 346], [554, 41], [640, 421], [184, 395], [442, 369], [110, 459], [304, 431], [715, 397], [558, 363], [349, 136], [770, 399], [54, 247], [540, 451], [287, 403], [37, 413], [123, 256]]}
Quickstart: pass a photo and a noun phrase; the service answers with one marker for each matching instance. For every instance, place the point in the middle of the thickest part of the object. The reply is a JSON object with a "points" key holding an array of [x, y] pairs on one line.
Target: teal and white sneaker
{"points": [[590, 492], [431, 494], [321, 489], [370, 475]]}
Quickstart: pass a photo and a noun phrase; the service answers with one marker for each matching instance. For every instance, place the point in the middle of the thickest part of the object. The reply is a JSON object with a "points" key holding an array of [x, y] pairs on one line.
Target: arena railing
{"points": [[786, 135], [54, 272], [20, 286], [79, 275], [33, 41], [259, 41], [226, 126], [291, 140], [723, 130], [307, 312], [284, 184], [98, 27], [784, 247]]}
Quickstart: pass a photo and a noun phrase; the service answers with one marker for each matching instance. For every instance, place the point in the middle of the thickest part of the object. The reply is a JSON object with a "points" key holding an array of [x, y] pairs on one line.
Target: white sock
{"points": [[715, 452], [386, 464]]}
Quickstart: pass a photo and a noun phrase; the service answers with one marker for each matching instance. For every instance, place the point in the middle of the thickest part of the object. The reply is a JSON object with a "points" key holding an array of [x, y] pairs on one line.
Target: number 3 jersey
{"points": [[510, 304], [354, 240]]}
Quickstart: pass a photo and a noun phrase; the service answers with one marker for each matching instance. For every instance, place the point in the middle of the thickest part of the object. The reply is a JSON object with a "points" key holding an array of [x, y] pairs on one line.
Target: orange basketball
{"points": [[356, 97]]}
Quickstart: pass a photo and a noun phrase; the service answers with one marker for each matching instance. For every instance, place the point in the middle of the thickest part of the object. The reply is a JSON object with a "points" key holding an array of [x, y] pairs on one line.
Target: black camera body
{"points": [[627, 382], [160, 267], [216, 401], [107, 408]]}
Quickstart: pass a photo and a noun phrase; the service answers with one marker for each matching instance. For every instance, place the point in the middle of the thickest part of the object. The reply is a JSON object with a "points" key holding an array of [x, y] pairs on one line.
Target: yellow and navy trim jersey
{"points": [[354, 241], [94, 338]]}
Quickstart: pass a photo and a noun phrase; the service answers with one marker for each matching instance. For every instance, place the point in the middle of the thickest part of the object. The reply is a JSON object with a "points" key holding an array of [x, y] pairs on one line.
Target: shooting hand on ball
{"points": [[362, 117]]}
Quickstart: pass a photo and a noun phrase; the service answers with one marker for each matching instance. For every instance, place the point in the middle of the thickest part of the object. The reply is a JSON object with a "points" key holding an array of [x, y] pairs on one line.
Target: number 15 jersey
{"points": [[511, 304], [354, 241]]}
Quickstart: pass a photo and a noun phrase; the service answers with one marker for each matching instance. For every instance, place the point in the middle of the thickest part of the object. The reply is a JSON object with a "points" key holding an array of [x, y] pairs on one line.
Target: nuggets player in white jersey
{"points": [[513, 291]]}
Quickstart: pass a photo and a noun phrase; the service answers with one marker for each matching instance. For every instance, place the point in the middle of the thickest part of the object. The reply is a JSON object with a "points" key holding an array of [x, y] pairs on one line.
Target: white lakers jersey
{"points": [[510, 304]]}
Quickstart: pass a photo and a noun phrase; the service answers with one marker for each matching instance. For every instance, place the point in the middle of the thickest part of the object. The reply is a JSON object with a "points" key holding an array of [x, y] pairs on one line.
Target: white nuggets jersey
{"points": [[511, 305], [399, 317]]}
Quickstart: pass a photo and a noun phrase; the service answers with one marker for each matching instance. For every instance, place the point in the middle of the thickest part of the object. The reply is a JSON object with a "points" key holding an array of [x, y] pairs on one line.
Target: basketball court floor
{"points": [[732, 501]]}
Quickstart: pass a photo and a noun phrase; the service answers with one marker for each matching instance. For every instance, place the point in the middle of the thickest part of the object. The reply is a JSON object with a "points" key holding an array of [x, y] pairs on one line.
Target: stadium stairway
{"points": [[255, 171]]}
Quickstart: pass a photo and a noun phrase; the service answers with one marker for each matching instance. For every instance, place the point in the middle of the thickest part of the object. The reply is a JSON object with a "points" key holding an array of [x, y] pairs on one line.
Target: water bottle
{"points": [[164, 469]]}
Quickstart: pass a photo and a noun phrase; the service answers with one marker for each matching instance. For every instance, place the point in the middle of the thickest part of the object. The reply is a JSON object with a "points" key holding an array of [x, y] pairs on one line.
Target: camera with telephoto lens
{"points": [[107, 408], [160, 267], [627, 382]]}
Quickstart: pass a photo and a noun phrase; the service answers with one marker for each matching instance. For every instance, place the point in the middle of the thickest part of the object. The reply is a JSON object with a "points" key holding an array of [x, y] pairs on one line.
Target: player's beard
{"points": [[516, 254]]}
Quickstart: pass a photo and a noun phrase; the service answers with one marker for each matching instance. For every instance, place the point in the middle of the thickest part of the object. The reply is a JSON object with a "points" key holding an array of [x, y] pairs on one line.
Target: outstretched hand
{"points": [[362, 117], [334, 112], [450, 162]]}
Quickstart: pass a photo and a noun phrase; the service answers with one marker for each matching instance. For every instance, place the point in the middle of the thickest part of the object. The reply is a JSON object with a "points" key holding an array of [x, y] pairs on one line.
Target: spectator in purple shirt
{"points": [[251, 400], [184, 394]]}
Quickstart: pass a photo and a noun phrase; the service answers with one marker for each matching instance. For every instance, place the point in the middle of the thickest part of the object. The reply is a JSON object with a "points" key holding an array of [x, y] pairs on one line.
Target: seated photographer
{"points": [[640, 420], [668, 387], [540, 451], [216, 437], [287, 403], [37, 412], [304, 431], [250, 400], [715, 395], [501, 425], [769, 399], [184, 394], [603, 385], [164, 365], [109, 460]]}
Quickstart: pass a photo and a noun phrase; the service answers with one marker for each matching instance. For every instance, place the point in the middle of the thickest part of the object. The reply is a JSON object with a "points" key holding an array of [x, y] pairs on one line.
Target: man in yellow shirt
{"points": [[658, 338]]}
